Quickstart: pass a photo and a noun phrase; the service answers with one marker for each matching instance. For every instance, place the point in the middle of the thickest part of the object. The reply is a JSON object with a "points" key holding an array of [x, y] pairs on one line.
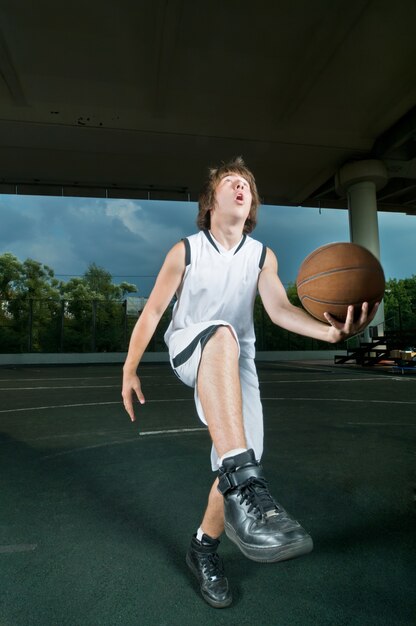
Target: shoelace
{"points": [[212, 565], [256, 493]]}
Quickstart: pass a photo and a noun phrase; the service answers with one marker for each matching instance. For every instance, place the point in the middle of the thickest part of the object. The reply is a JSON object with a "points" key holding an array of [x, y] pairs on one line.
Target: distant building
{"points": [[135, 305]]}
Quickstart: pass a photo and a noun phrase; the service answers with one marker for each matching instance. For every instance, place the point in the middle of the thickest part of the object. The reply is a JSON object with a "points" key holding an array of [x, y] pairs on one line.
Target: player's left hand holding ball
{"points": [[342, 330]]}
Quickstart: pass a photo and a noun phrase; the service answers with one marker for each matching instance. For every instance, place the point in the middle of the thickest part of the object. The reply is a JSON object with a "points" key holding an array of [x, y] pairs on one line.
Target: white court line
{"points": [[81, 404], [56, 406], [177, 384], [169, 431], [79, 435], [29, 380], [174, 431], [86, 448], [378, 424], [345, 400], [297, 399], [321, 380], [63, 387], [19, 547]]}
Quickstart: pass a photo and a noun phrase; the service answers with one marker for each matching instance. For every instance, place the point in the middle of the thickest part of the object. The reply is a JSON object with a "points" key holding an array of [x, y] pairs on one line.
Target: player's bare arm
{"points": [[167, 283], [295, 319]]}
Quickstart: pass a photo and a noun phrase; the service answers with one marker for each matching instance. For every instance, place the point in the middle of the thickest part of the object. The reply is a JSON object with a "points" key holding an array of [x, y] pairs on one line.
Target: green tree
{"points": [[100, 283], [10, 275], [40, 298], [38, 281], [292, 294], [40, 313], [30, 305], [272, 337], [94, 311], [11, 271], [400, 304], [78, 299]]}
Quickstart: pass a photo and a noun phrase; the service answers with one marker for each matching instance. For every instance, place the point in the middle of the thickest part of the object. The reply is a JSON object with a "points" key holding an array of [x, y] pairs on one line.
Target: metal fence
{"points": [[34, 325], [68, 326]]}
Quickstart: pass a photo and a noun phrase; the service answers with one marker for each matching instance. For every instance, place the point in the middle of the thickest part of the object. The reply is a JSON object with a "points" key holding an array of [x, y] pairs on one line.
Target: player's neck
{"points": [[227, 236]]}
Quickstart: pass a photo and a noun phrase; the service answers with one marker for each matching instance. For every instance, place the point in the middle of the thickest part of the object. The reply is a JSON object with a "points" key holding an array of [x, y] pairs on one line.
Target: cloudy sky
{"points": [[130, 238]]}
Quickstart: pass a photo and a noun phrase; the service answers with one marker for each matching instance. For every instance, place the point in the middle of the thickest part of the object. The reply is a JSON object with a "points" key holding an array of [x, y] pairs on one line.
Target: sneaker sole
{"points": [[271, 554], [208, 599]]}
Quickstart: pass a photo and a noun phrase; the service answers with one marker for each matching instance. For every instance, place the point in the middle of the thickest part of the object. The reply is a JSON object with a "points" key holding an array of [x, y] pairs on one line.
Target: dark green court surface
{"points": [[97, 513]]}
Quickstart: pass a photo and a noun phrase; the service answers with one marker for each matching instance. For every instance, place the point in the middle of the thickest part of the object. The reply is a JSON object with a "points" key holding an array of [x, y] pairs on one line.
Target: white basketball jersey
{"points": [[219, 284]]}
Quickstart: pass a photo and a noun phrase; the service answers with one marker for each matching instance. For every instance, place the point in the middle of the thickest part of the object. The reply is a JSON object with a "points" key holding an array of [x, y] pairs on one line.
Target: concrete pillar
{"points": [[362, 208], [359, 181]]}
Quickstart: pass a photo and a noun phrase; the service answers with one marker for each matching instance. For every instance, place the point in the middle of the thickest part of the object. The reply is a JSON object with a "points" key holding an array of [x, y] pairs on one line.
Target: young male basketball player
{"points": [[215, 275]]}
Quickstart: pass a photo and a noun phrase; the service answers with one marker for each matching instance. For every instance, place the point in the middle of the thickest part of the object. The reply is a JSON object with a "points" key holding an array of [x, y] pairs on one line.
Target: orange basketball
{"points": [[336, 275]]}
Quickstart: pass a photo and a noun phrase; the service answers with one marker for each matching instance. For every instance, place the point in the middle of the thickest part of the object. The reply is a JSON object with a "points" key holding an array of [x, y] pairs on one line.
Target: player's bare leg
{"points": [[219, 391], [213, 520], [253, 520]]}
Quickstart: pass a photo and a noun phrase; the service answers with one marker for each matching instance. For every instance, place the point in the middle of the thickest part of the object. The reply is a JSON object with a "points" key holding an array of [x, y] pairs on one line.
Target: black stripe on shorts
{"points": [[202, 337]]}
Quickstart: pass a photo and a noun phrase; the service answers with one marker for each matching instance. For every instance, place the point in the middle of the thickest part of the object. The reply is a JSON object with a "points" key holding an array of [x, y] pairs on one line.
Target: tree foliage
{"points": [[400, 304], [10, 272], [40, 313], [272, 337], [400, 315]]}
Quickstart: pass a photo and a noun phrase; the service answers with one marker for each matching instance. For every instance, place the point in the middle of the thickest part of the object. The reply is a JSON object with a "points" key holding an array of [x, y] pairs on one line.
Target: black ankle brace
{"points": [[237, 470]]}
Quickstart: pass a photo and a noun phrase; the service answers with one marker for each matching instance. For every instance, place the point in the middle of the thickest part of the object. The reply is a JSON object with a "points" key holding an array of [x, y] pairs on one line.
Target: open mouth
{"points": [[239, 197]]}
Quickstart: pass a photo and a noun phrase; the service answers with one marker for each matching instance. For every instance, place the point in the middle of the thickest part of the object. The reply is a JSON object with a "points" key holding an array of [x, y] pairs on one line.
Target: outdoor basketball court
{"points": [[97, 512]]}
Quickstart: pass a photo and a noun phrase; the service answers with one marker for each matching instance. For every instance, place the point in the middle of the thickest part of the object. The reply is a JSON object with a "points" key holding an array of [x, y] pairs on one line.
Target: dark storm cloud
{"points": [[397, 244], [14, 226], [294, 232], [131, 238]]}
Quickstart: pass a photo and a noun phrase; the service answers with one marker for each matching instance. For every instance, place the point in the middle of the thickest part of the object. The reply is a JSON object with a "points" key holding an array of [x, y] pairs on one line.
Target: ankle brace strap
{"points": [[231, 480], [230, 463]]}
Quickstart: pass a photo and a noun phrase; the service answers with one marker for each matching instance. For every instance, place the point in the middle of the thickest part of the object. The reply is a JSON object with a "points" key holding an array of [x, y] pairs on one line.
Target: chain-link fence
{"points": [[33, 325], [50, 326]]}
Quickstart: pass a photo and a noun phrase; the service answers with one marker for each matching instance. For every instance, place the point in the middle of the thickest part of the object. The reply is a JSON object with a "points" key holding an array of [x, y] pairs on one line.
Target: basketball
{"points": [[336, 275]]}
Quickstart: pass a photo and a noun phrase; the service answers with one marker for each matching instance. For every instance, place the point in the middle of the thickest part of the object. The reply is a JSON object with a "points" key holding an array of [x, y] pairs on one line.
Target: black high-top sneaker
{"points": [[206, 564], [254, 521]]}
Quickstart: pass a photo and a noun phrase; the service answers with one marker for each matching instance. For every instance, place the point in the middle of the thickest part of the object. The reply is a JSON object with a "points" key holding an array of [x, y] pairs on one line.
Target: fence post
{"points": [[62, 330], [94, 325], [124, 305], [30, 326]]}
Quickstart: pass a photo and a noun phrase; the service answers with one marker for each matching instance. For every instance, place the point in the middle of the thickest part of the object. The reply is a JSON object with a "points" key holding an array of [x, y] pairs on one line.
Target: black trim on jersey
{"points": [[212, 242], [241, 243], [187, 251], [187, 352], [210, 239], [263, 257]]}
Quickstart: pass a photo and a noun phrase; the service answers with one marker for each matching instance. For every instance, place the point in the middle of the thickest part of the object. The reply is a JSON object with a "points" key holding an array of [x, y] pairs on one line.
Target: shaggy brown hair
{"points": [[207, 195]]}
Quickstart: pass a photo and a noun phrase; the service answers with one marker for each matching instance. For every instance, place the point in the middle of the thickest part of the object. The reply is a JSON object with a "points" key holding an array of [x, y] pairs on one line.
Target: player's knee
{"points": [[224, 338]]}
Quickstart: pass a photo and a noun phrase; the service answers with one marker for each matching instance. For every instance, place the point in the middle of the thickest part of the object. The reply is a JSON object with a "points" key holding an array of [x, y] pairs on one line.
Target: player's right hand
{"points": [[131, 389]]}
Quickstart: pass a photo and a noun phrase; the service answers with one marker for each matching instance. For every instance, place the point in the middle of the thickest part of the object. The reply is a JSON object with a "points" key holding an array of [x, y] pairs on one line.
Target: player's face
{"points": [[233, 197]]}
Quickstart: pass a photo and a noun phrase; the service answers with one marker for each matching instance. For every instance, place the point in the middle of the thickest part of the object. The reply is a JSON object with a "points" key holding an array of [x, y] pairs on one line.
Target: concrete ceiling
{"points": [[136, 98]]}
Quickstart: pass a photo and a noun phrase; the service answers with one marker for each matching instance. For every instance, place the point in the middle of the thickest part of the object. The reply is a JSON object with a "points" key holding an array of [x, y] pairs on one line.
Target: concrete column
{"points": [[362, 208], [359, 181]]}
